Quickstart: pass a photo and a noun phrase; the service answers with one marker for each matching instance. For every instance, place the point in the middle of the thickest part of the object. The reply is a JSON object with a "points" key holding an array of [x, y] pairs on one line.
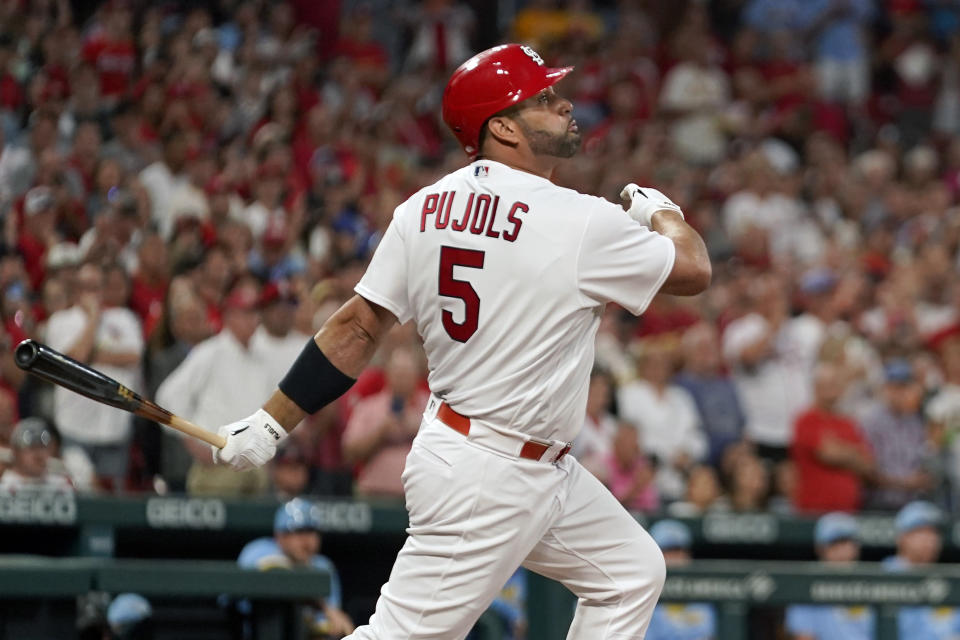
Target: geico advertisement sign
{"points": [[186, 513], [755, 586], [353, 517], [38, 507]]}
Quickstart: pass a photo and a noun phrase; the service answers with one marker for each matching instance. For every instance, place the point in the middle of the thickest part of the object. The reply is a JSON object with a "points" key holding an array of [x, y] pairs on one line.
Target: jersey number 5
{"points": [[450, 287]]}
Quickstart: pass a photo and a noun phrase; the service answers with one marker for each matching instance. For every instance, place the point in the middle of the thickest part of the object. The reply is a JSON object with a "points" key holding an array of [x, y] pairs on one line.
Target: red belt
{"points": [[461, 424]]}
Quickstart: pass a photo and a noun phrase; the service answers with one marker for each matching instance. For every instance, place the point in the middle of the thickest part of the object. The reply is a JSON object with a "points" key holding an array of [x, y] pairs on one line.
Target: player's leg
{"points": [[474, 516], [598, 551]]}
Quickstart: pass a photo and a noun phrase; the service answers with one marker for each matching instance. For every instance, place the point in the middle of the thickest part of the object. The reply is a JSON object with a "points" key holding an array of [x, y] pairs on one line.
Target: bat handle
{"points": [[200, 433]]}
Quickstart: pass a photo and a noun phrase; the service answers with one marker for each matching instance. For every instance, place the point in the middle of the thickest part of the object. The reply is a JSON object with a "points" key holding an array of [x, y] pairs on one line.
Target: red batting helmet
{"points": [[490, 82]]}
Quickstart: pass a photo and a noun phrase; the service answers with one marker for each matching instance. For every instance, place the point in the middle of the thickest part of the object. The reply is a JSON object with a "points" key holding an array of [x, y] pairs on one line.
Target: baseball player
{"points": [[506, 276]]}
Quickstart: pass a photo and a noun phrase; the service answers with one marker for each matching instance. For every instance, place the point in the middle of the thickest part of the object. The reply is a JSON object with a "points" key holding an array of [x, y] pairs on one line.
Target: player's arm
{"points": [[691, 271], [326, 368]]}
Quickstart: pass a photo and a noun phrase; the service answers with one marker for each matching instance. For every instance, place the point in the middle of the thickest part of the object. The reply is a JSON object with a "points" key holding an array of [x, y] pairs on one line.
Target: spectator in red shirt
{"points": [[832, 456], [112, 52], [149, 283]]}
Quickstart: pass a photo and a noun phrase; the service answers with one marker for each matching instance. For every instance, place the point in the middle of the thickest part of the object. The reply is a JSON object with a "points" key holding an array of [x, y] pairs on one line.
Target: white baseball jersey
{"points": [[506, 275]]}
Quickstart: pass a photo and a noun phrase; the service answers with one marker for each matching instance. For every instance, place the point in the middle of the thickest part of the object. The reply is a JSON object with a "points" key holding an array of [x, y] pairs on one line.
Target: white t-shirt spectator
{"points": [[277, 354], [668, 426], [12, 481], [219, 380], [594, 444], [160, 182], [80, 418], [777, 389], [701, 93]]}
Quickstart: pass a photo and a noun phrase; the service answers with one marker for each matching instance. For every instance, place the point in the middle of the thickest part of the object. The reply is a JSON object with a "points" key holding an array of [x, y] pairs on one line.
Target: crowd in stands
{"points": [[189, 190]]}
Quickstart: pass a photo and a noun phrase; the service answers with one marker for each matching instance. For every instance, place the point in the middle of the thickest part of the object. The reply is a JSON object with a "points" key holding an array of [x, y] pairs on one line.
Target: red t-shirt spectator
{"points": [[114, 60], [146, 300], [822, 487]]}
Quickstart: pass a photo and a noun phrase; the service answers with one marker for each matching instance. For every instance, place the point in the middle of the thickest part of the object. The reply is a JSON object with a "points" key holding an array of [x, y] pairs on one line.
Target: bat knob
{"points": [[26, 353]]}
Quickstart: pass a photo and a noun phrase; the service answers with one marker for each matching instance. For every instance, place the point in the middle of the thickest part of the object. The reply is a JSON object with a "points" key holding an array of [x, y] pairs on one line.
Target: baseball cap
{"points": [[294, 516], [898, 371], [37, 199], [279, 291], [126, 610], [671, 534], [917, 514], [31, 432], [243, 297], [834, 527]]}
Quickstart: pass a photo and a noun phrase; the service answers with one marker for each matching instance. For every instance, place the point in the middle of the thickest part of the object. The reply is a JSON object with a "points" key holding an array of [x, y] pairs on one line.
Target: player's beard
{"points": [[544, 143]]}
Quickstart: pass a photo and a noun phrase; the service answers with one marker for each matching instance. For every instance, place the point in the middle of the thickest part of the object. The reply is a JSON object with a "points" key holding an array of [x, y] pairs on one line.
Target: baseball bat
{"points": [[51, 365]]}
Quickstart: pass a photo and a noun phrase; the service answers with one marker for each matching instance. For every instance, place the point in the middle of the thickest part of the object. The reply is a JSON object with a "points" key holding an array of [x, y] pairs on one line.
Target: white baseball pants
{"points": [[476, 515]]}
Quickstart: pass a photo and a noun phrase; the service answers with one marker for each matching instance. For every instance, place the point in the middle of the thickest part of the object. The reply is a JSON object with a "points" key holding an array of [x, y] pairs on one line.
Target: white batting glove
{"points": [[645, 201], [251, 442]]}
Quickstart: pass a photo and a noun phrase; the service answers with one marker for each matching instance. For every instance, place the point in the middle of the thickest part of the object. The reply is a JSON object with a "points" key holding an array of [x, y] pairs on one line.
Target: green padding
{"points": [[29, 576], [193, 578]]}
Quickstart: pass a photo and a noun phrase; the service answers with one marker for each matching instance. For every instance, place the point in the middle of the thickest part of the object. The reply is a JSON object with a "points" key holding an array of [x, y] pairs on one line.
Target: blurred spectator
{"points": [[665, 414], [836, 539], [943, 409], [276, 340], [290, 471], [703, 494], [749, 485], [148, 286], [630, 474], [690, 621], [130, 617], [919, 541], [837, 28], [711, 388], [594, 443], [220, 376], [381, 428], [163, 177], [32, 444], [831, 454], [38, 233], [441, 34], [695, 96], [296, 545], [898, 439], [771, 357], [97, 330]]}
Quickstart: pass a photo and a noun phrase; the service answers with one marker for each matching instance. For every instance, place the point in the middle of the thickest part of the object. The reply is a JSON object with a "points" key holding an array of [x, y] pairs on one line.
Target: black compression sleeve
{"points": [[313, 382]]}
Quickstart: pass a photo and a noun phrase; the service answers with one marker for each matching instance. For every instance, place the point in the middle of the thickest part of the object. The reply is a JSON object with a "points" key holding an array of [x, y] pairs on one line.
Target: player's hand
{"points": [[643, 202], [251, 442]]}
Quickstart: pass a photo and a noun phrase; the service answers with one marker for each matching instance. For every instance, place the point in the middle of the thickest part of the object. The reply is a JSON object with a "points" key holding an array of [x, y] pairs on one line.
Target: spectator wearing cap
{"points": [[898, 438], [220, 376], [831, 454], [943, 409], [130, 617], [381, 428], [276, 340], [712, 389], [836, 538], [110, 339], [38, 232], [267, 206], [33, 445], [918, 526], [296, 544], [690, 621]]}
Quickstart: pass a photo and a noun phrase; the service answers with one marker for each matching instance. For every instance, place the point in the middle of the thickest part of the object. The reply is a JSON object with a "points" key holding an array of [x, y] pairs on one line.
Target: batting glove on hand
{"points": [[251, 442], [645, 201]]}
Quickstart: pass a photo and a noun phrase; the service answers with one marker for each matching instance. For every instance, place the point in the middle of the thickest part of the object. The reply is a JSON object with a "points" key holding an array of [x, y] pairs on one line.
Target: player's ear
{"points": [[504, 129]]}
